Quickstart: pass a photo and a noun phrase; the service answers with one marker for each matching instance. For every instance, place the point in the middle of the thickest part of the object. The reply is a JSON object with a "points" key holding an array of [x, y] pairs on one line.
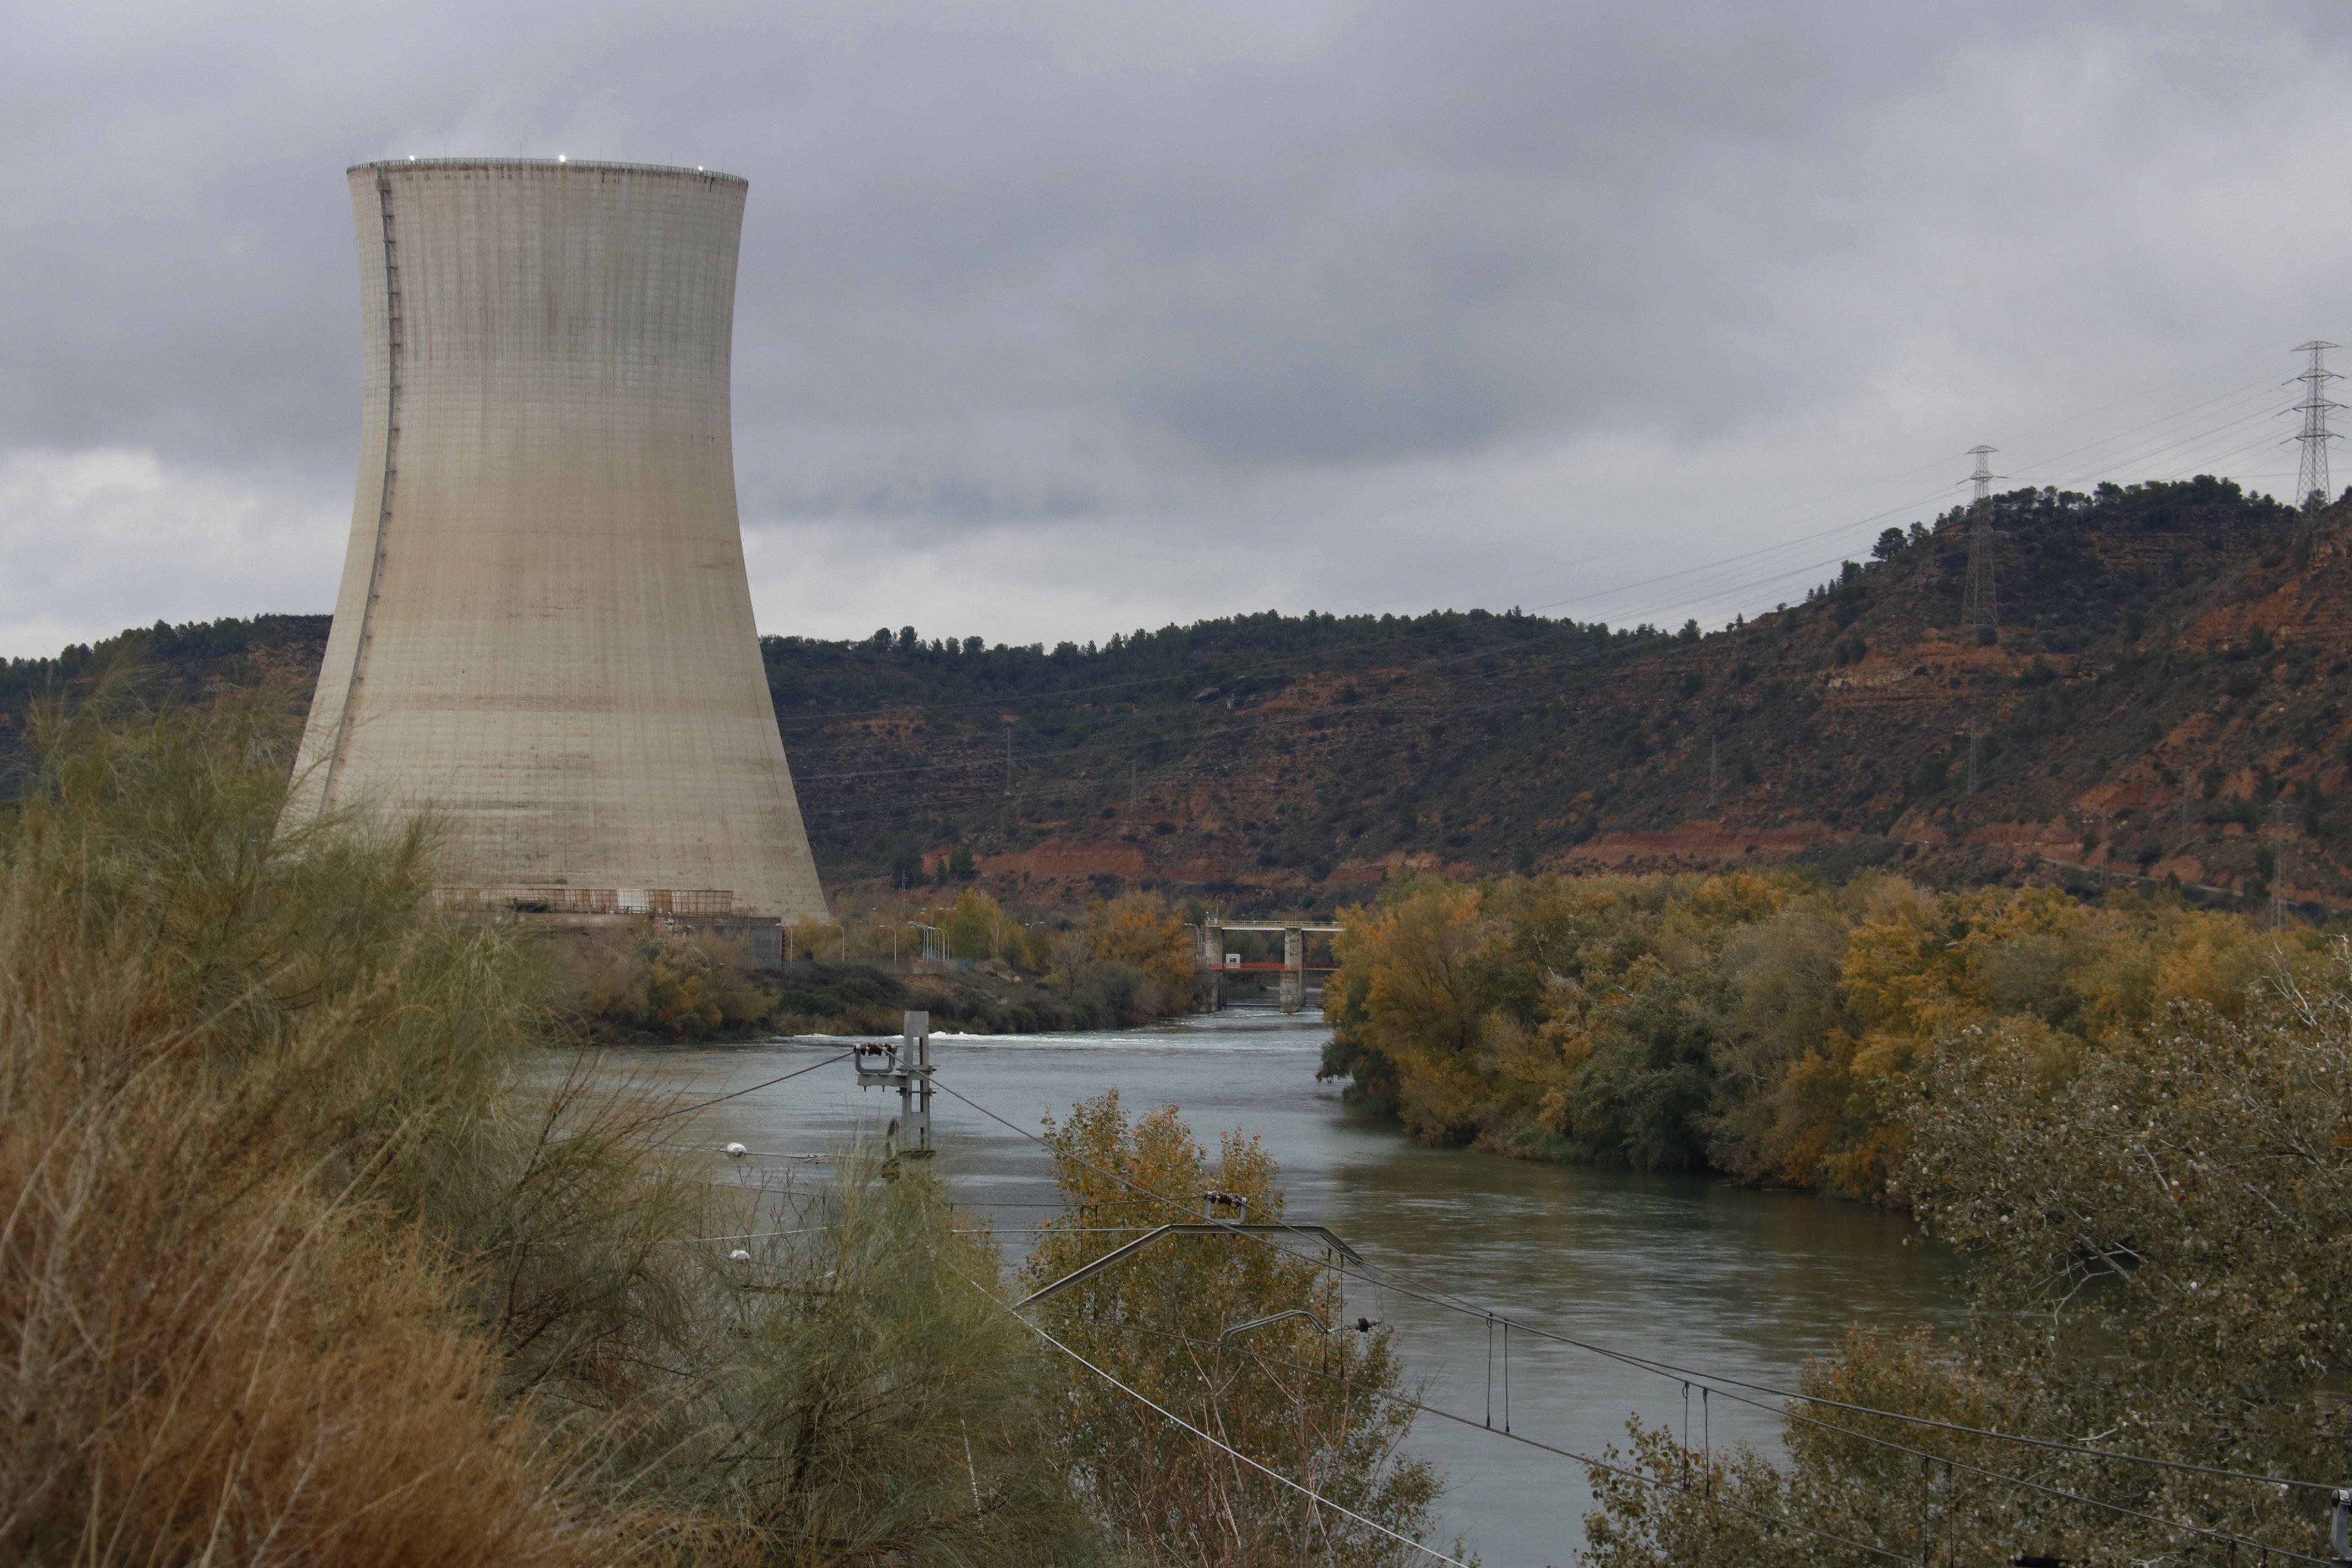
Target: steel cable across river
{"points": [[1688, 1270]]}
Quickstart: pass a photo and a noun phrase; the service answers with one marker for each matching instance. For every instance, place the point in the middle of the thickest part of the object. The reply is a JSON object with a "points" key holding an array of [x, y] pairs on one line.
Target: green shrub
{"points": [[325, 1248]]}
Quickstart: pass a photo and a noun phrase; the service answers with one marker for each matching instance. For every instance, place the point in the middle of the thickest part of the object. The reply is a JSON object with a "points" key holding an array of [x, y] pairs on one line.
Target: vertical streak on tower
{"points": [[2312, 484], [1979, 606], [339, 750], [544, 635]]}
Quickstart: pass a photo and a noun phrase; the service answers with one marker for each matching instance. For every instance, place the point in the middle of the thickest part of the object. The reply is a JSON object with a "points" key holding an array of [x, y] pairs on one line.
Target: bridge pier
{"points": [[1212, 959], [1216, 931]]}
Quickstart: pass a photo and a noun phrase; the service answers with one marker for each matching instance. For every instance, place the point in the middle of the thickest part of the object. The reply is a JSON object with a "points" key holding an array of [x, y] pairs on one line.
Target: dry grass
{"points": [[207, 1354], [312, 1251]]}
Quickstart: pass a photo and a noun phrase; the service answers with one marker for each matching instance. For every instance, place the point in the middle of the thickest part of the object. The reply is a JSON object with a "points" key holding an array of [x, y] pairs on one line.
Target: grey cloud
{"points": [[1058, 262]]}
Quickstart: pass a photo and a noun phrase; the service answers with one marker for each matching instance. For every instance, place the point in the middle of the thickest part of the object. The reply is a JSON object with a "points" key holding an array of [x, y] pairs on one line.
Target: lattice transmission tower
{"points": [[2275, 836], [2311, 485], [1979, 606]]}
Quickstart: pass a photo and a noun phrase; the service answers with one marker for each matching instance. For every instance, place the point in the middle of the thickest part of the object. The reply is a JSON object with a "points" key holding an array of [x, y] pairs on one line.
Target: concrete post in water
{"points": [[1293, 970], [905, 1065], [1213, 954], [544, 634], [915, 1088]]}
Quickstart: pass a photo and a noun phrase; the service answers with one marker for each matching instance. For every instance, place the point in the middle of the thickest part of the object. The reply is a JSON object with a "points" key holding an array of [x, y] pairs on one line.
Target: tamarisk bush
{"points": [[317, 1245], [2156, 1223]]}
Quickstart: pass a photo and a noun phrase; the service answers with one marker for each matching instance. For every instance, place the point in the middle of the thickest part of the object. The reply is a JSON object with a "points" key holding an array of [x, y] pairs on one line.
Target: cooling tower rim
{"points": [[389, 166]]}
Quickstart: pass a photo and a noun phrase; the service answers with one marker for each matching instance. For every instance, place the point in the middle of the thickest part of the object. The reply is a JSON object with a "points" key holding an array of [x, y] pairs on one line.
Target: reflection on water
{"points": [[1681, 1268]]}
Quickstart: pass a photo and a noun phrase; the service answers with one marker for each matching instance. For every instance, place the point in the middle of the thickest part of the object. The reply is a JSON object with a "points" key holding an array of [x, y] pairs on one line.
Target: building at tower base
{"points": [[544, 635]]}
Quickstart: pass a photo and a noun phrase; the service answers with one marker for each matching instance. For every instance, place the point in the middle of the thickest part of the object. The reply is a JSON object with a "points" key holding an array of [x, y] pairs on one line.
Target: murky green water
{"points": [[1675, 1267]]}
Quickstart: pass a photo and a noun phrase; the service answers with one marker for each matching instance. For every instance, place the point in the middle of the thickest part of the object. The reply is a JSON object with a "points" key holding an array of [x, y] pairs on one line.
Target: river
{"points": [[1682, 1268]]}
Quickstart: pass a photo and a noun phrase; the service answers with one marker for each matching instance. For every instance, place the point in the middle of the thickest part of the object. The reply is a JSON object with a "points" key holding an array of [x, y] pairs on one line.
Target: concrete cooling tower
{"points": [[544, 634]]}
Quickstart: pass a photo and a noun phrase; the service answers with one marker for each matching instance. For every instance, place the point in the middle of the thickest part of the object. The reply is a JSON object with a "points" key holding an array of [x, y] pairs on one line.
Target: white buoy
{"points": [[736, 1151], [739, 1256]]}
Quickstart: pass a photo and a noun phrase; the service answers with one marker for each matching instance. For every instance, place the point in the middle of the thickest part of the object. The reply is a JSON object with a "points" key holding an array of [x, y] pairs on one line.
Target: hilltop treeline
{"points": [[1762, 1023], [1208, 661], [188, 659], [2155, 639], [2059, 576]]}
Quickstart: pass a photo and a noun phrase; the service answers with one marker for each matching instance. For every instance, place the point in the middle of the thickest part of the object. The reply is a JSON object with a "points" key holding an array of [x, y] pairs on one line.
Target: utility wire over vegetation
{"points": [[246, 1068], [1323, 1477], [320, 1248], [2132, 1119], [1665, 1486]]}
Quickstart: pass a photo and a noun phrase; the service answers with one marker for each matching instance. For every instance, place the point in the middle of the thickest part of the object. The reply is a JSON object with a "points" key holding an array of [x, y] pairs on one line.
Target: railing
{"points": [[591, 900]]}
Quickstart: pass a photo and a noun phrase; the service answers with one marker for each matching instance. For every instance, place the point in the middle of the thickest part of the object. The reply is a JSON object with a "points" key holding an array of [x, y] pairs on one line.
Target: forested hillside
{"points": [[2166, 674]]}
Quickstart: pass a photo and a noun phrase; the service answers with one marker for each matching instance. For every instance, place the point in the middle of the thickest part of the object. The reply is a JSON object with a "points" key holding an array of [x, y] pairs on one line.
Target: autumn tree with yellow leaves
{"points": [[1755, 1021], [1310, 1395], [2137, 1129], [1128, 961]]}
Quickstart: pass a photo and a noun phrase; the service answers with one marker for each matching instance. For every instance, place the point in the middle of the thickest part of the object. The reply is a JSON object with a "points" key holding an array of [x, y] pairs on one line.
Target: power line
{"points": [[2264, 388], [2061, 1493], [1313, 1497], [749, 1235], [1389, 1280], [2198, 442], [2108, 465], [1116, 742], [1115, 739], [1072, 693], [706, 1104], [1621, 1471], [1724, 1385], [2014, 438], [2226, 1538], [2186, 375]]}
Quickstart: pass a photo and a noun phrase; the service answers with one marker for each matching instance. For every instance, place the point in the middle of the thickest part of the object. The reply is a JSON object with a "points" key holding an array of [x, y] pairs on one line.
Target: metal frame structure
{"points": [[2312, 483], [906, 1066], [1980, 603]]}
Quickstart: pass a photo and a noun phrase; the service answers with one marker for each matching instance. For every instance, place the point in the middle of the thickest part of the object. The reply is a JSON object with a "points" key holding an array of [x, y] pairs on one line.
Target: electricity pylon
{"points": [[2311, 485], [1979, 606]]}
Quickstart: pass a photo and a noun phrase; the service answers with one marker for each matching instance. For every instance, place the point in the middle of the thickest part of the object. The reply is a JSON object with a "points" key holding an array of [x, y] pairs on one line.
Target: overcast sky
{"points": [[1061, 319]]}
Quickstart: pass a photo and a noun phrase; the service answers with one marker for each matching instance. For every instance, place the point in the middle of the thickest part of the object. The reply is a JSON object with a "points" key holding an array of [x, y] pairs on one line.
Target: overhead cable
{"points": [[1313, 1497], [1621, 1471], [721, 1099], [2223, 1537], [1389, 1279]]}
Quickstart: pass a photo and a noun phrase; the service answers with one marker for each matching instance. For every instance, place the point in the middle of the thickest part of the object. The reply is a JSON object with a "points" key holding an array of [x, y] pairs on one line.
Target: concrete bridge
{"points": [[1294, 967]]}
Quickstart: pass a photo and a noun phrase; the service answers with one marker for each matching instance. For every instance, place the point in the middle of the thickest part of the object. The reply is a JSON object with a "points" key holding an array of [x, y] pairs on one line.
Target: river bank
{"points": [[666, 991], [1684, 1268]]}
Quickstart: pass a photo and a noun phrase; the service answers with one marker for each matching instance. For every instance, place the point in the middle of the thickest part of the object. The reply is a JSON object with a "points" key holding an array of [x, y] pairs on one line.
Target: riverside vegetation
{"points": [[315, 1246], [2134, 1119], [317, 1249], [1763, 1023], [1119, 961]]}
